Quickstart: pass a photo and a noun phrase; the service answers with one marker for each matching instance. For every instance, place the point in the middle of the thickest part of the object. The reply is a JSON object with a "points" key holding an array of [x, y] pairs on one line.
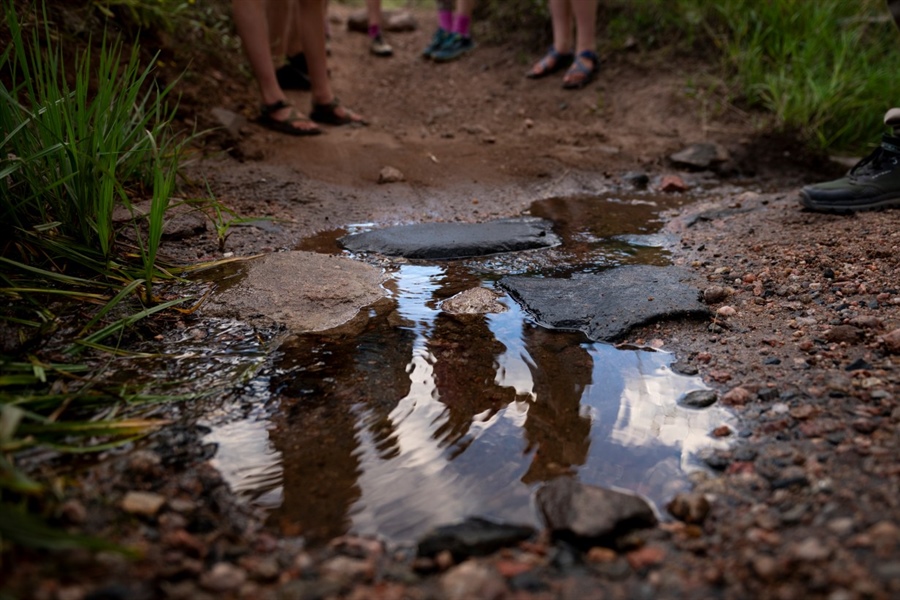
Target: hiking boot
{"points": [[437, 40], [380, 47], [455, 46], [873, 183]]}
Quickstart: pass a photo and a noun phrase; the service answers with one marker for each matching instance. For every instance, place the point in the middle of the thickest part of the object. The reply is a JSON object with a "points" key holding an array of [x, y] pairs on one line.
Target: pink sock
{"points": [[374, 31], [445, 20], [461, 26]]}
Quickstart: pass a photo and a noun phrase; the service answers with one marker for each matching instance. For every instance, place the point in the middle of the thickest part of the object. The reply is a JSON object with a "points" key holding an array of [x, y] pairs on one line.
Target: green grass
{"points": [[825, 71], [80, 136]]}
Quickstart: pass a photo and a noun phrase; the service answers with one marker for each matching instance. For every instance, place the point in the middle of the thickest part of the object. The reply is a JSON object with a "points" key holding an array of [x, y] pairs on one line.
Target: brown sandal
{"points": [[287, 125]]}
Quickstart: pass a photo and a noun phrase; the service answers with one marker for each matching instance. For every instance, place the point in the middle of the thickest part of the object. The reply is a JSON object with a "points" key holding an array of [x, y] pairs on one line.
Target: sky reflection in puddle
{"points": [[420, 418]]}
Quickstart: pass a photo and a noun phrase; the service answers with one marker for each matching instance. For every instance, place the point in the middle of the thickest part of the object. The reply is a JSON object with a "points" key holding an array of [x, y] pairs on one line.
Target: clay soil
{"points": [[805, 345]]}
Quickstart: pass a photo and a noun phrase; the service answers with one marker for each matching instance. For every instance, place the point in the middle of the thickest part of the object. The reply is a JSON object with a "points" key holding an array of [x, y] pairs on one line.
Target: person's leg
{"points": [[585, 13], [460, 40], [250, 22], [560, 54], [312, 35], [377, 45], [462, 18], [283, 18], [586, 63]]}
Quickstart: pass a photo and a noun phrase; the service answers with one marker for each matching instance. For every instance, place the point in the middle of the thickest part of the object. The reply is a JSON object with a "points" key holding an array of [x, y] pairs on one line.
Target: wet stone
{"points": [[585, 514], [690, 508], [444, 241], [390, 175], [472, 537], [700, 156], [303, 290], [698, 399], [473, 580], [476, 301], [142, 503], [684, 368], [608, 305]]}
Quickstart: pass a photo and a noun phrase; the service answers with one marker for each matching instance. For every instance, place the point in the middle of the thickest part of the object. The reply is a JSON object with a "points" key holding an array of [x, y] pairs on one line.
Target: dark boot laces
{"points": [[885, 157]]}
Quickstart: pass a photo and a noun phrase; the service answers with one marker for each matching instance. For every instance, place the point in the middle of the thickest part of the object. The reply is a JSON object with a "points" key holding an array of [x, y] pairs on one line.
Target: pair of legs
{"points": [[300, 29], [574, 43], [453, 36]]}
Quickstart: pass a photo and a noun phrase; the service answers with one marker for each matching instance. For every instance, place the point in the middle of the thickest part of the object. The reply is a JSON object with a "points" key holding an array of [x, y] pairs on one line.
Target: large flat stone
{"points": [[608, 305], [444, 241], [302, 290]]}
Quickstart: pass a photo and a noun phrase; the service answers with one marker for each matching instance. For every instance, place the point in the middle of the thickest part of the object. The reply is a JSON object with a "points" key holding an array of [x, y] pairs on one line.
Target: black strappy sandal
{"points": [[285, 125], [328, 114]]}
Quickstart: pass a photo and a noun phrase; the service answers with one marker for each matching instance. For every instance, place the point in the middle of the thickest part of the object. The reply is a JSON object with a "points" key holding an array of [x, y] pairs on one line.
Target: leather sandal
{"points": [[287, 125], [583, 70], [332, 113], [551, 62]]}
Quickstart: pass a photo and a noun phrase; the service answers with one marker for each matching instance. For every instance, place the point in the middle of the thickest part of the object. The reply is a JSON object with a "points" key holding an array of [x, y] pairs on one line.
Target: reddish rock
{"points": [[647, 556], [738, 396], [673, 184], [720, 376], [892, 342]]}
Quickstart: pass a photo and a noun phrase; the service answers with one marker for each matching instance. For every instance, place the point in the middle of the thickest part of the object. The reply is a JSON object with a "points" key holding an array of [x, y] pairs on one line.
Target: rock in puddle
{"points": [[588, 515], [472, 537], [445, 241], [608, 305]]}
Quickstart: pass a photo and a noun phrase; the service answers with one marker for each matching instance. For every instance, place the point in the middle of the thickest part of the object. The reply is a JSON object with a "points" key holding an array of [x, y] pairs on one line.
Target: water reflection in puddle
{"points": [[418, 418]]}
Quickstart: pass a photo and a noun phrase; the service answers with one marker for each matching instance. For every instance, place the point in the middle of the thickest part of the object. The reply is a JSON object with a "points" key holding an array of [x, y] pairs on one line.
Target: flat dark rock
{"points": [[608, 305], [472, 537], [443, 241]]}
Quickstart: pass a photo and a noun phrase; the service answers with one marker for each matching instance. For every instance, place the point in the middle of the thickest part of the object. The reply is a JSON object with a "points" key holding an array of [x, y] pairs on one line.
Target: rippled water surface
{"points": [[413, 417]]}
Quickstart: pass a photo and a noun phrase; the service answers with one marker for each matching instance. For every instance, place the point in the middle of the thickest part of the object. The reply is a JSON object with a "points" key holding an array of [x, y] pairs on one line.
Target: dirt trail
{"points": [[474, 138]]}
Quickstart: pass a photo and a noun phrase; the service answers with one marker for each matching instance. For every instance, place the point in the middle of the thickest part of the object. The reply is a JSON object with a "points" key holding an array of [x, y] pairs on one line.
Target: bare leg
{"points": [[312, 35], [561, 13], [250, 21], [373, 7], [465, 7], [583, 71], [585, 12], [561, 55], [279, 17]]}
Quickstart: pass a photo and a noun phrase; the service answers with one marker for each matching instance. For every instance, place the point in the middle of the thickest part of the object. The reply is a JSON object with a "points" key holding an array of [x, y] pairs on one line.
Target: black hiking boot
{"points": [[873, 183]]}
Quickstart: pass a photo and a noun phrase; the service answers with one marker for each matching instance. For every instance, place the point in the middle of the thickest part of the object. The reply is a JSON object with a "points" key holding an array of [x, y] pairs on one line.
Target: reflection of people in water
{"points": [[318, 426], [464, 371], [556, 430]]}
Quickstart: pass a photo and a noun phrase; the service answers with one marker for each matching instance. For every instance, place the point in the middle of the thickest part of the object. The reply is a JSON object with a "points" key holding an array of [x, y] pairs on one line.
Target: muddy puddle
{"points": [[410, 417]]}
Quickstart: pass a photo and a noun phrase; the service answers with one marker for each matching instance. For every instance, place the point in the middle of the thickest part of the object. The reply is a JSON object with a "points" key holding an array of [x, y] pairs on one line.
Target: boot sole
{"points": [[879, 202]]}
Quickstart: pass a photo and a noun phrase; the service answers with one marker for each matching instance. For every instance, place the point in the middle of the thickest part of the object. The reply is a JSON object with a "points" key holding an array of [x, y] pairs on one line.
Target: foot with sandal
{"points": [[291, 28], [575, 55]]}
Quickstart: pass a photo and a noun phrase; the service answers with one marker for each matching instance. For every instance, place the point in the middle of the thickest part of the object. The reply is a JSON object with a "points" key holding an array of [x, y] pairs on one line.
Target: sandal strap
{"points": [[551, 59], [268, 109], [327, 105], [589, 55]]}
